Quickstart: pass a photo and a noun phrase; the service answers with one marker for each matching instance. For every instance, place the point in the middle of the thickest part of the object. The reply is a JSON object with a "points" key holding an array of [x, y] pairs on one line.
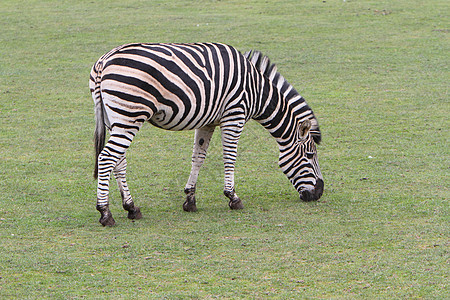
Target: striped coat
{"points": [[198, 86]]}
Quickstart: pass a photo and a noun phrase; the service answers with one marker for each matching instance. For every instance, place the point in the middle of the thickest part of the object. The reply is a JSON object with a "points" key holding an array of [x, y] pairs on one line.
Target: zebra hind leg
{"points": [[112, 158], [134, 213], [106, 163], [106, 218]]}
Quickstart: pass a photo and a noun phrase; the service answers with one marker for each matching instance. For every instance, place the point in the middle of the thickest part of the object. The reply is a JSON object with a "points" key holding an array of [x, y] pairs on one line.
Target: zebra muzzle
{"points": [[313, 194]]}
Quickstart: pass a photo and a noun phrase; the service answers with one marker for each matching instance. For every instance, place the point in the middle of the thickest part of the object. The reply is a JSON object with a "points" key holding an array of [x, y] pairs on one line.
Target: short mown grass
{"points": [[375, 73]]}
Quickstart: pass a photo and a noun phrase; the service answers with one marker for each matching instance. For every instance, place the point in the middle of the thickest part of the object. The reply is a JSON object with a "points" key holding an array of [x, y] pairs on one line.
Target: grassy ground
{"points": [[376, 74]]}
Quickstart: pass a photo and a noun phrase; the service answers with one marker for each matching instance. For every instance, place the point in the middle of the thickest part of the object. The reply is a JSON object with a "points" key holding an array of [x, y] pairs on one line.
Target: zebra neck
{"points": [[274, 111], [281, 112]]}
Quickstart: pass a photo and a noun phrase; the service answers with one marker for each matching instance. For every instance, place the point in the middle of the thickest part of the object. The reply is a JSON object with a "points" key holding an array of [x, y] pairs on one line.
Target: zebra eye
{"points": [[309, 155]]}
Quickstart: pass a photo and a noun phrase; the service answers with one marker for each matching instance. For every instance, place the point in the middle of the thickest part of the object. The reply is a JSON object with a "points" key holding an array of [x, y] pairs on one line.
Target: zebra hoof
{"points": [[107, 220], [236, 204], [135, 214], [189, 206]]}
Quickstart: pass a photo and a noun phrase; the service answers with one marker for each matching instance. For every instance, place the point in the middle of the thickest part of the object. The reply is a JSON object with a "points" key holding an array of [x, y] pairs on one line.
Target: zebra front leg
{"points": [[231, 131], [120, 173], [201, 143]]}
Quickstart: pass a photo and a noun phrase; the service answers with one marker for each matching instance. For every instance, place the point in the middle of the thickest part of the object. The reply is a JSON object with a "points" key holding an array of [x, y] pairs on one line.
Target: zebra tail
{"points": [[100, 127], [100, 133]]}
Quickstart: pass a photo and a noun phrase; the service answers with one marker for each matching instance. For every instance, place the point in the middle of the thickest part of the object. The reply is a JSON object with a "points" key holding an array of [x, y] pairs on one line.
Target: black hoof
{"points": [[189, 206], [107, 220], [135, 214], [236, 204]]}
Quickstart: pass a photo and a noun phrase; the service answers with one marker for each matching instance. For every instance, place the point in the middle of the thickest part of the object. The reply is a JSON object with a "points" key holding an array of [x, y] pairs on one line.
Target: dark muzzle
{"points": [[314, 194]]}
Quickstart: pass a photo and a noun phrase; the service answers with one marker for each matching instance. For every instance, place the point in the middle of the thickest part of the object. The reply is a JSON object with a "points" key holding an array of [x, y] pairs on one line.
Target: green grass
{"points": [[375, 73]]}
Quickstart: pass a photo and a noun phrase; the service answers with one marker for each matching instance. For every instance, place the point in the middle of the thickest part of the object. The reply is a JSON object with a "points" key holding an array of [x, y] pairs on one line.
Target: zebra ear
{"points": [[304, 128]]}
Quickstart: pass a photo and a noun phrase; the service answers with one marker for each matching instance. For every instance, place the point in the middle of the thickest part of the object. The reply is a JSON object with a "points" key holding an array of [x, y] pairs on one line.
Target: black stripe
{"points": [[121, 136], [129, 114], [130, 127]]}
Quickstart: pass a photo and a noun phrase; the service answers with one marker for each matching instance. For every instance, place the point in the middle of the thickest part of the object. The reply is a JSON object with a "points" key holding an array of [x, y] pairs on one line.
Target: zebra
{"points": [[197, 86]]}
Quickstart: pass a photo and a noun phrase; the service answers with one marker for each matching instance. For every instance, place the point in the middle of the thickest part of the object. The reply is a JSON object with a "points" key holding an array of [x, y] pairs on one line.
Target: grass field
{"points": [[376, 74]]}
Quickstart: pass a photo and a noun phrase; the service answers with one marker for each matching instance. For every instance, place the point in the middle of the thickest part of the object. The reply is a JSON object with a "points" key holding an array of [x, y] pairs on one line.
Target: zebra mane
{"points": [[262, 63]]}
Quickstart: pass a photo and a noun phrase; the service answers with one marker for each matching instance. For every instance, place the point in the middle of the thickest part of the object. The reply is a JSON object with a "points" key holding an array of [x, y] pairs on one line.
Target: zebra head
{"points": [[299, 162]]}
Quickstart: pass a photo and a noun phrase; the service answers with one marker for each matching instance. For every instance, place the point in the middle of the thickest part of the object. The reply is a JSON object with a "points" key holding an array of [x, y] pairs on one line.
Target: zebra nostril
{"points": [[318, 189]]}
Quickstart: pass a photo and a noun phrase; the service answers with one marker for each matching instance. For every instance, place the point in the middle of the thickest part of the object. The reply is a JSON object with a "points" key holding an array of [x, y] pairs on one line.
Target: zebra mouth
{"points": [[314, 194]]}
